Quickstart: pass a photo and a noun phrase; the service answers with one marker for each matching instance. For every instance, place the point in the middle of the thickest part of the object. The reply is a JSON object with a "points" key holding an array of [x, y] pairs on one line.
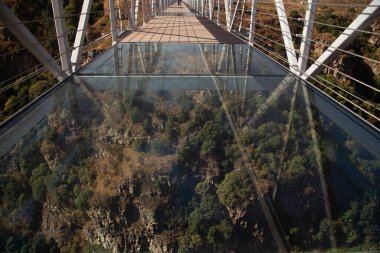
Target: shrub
{"points": [[146, 125], [139, 145], [135, 115], [235, 188], [169, 129], [81, 201], [38, 181], [158, 146], [38, 88], [61, 195]]}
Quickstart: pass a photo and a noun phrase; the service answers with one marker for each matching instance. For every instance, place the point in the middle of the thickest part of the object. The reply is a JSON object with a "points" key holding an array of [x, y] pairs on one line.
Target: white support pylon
{"points": [[202, 7], [287, 36], [136, 11], [143, 11], [218, 15], [120, 16], [368, 15], [241, 16], [252, 24], [18, 29], [150, 9], [235, 11], [134, 21], [61, 31], [113, 21], [227, 6], [311, 11], [211, 8], [81, 31]]}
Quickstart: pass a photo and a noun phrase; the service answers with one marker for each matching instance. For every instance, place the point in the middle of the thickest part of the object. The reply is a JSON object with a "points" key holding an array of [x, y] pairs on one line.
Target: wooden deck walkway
{"points": [[181, 29]]}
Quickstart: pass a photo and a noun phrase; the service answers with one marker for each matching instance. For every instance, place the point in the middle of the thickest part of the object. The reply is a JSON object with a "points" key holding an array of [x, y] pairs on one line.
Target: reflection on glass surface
{"points": [[208, 162], [183, 59]]}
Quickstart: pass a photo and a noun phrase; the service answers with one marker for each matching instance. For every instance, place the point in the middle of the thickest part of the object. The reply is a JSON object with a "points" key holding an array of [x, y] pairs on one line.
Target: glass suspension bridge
{"points": [[189, 97]]}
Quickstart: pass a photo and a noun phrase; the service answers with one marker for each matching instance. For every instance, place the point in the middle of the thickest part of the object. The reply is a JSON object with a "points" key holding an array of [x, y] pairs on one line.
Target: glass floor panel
{"points": [[183, 59], [223, 151]]}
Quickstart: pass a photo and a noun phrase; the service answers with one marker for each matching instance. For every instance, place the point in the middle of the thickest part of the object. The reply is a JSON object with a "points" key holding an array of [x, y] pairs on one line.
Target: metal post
{"points": [[18, 29], [360, 23], [120, 16], [218, 16], [60, 27], [252, 24], [133, 13], [241, 16], [227, 6], [131, 23], [136, 11], [233, 17], [202, 7], [113, 23], [150, 9], [211, 8], [287, 36], [79, 38], [143, 10]]}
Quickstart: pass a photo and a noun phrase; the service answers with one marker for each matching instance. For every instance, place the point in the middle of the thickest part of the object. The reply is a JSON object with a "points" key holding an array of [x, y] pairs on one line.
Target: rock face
{"points": [[128, 222], [112, 135], [375, 39], [131, 221], [59, 223], [322, 44], [342, 64]]}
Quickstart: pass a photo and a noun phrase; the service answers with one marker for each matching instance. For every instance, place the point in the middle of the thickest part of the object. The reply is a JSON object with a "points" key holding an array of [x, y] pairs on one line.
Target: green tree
{"points": [[38, 181], [8, 107], [208, 148], [71, 9], [82, 198], [187, 152], [9, 191], [208, 223], [297, 166], [169, 129], [158, 146], [61, 195], [38, 88], [236, 188], [200, 115], [135, 115], [139, 145], [10, 245], [348, 224], [146, 126]]}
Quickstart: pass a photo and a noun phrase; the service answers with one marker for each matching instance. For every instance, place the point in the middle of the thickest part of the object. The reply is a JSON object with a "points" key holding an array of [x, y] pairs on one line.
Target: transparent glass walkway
{"points": [[167, 147]]}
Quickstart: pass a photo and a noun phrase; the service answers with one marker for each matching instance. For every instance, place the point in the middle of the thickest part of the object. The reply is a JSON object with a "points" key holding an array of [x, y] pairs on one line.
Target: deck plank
{"points": [[181, 29]]}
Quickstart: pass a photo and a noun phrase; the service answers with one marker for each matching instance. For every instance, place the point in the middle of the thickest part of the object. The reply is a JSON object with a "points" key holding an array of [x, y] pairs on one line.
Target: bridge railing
{"points": [[332, 45], [50, 58]]}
